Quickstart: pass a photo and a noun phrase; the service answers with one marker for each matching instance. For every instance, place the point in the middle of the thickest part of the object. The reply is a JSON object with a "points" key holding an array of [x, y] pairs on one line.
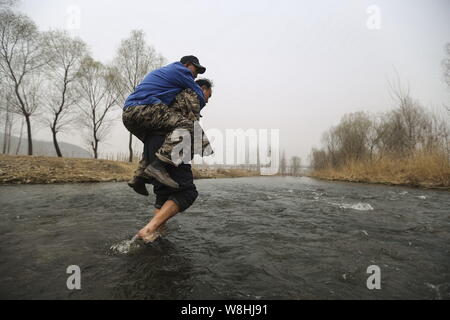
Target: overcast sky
{"points": [[293, 65]]}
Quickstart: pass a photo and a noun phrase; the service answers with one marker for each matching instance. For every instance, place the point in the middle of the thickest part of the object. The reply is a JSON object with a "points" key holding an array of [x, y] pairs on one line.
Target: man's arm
{"points": [[185, 80]]}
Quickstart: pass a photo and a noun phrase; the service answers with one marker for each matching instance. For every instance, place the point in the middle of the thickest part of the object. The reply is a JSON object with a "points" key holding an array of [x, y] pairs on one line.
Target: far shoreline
{"points": [[38, 170], [380, 183]]}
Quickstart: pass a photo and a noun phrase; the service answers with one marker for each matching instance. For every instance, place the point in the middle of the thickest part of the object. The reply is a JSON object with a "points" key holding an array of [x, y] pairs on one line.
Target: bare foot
{"points": [[163, 230], [152, 237], [147, 235]]}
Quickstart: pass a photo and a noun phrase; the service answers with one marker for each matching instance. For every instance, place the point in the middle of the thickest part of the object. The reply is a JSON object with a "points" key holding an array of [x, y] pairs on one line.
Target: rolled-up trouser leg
{"points": [[185, 196], [187, 193], [184, 199]]}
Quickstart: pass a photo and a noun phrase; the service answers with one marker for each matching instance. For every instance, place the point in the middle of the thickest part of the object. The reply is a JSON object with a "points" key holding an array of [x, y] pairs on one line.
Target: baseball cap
{"points": [[194, 60]]}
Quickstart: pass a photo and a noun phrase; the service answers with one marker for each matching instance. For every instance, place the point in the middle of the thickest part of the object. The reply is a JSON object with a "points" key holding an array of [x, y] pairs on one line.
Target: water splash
{"points": [[395, 195], [357, 206], [126, 246], [436, 289]]}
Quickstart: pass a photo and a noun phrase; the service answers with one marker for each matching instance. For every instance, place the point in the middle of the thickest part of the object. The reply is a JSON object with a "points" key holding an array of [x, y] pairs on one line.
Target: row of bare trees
{"points": [[402, 132], [398, 133], [50, 78], [291, 167]]}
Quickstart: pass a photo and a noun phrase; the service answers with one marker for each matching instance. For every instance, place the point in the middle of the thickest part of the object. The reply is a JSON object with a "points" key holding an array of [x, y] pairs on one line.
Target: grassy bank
{"points": [[45, 170], [420, 170]]}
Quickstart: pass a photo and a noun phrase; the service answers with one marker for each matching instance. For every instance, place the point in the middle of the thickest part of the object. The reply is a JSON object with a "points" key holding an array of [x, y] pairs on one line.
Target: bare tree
{"points": [[20, 60], [320, 159], [97, 87], [402, 132], [283, 164], [19, 143], [4, 112], [64, 55], [296, 164], [133, 60], [446, 69], [446, 65], [407, 130], [7, 119], [8, 4]]}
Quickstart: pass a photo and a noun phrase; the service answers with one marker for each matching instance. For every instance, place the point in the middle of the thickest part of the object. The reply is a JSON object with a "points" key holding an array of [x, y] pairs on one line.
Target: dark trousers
{"points": [[186, 195]]}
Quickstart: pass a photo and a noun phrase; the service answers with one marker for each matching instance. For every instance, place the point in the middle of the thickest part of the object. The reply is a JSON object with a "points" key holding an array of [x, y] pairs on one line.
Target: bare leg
{"points": [[163, 229], [150, 232]]}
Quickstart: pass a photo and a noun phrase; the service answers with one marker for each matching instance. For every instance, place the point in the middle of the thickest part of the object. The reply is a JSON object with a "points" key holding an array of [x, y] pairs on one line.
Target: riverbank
{"points": [[47, 170], [421, 171]]}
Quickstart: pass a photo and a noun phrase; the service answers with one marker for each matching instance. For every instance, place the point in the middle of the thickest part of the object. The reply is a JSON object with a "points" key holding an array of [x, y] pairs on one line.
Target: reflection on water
{"points": [[251, 238]]}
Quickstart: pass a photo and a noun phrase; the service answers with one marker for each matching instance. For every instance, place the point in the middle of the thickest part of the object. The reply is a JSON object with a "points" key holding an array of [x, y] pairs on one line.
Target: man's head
{"points": [[193, 64], [206, 86]]}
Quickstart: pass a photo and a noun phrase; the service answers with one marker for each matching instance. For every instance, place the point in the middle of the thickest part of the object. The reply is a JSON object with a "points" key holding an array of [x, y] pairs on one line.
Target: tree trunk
{"points": [[5, 135], [30, 141], [9, 132], [20, 139], [130, 148], [55, 143], [95, 149]]}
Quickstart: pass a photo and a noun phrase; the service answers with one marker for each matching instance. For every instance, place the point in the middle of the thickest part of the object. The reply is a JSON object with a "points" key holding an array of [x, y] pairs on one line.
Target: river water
{"points": [[249, 238]]}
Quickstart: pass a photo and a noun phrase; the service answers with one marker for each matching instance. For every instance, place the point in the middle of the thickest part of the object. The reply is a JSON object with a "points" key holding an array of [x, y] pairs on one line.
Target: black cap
{"points": [[194, 60]]}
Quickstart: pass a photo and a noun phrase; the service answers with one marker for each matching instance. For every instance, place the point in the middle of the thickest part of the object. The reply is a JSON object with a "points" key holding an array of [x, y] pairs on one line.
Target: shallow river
{"points": [[250, 238]]}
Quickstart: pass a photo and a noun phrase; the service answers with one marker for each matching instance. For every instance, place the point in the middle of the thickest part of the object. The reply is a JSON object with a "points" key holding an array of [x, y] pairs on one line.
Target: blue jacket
{"points": [[162, 86]]}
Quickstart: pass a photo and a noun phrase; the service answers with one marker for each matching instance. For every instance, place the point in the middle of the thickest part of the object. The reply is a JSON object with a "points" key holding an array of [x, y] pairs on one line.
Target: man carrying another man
{"points": [[167, 100]]}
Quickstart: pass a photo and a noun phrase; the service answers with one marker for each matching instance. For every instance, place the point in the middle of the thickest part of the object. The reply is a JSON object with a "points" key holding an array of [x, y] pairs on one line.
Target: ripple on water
{"points": [[231, 244], [358, 206]]}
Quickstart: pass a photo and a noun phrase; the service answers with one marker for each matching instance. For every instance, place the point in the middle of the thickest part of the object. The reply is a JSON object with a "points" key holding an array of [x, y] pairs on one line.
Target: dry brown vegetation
{"points": [[418, 170], [409, 145], [46, 170]]}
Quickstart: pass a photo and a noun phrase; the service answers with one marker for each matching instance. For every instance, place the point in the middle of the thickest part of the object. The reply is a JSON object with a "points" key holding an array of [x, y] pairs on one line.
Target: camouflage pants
{"points": [[161, 119]]}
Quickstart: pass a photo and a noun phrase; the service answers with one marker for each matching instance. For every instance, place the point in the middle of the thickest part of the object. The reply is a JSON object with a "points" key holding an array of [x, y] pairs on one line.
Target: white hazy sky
{"points": [[293, 65]]}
